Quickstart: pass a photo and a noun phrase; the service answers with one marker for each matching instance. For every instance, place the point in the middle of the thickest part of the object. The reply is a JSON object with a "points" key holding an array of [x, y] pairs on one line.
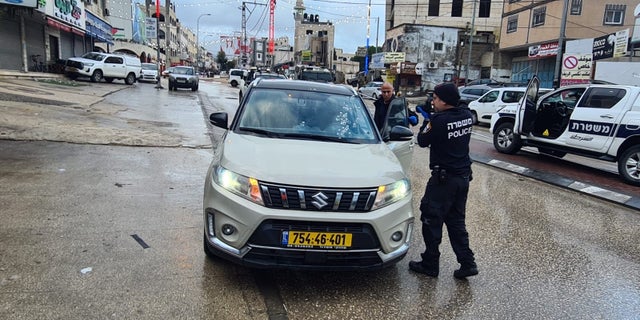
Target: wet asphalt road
{"points": [[133, 215]]}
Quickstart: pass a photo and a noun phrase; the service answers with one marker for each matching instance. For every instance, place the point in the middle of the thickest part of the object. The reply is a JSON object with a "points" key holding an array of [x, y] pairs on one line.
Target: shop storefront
{"points": [[65, 29], [18, 22], [98, 30]]}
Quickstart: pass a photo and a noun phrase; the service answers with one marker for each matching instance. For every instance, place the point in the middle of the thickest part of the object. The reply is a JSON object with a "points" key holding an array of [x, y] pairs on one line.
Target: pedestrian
{"points": [[447, 133], [382, 107]]}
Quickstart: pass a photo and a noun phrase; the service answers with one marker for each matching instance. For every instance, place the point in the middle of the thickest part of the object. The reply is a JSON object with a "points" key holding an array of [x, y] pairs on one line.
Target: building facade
{"points": [[313, 41], [531, 33], [471, 54]]}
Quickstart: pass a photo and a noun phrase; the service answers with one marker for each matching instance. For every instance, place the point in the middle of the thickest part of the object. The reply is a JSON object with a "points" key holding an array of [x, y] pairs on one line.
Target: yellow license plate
{"points": [[306, 239]]}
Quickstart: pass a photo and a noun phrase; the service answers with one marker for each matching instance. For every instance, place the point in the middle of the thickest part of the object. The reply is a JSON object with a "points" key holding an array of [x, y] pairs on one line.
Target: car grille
{"points": [[312, 199], [75, 64], [267, 247]]}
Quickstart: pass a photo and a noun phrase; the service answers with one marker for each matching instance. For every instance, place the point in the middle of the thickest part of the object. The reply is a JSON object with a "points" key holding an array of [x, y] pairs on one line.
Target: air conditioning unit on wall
{"points": [[433, 65]]}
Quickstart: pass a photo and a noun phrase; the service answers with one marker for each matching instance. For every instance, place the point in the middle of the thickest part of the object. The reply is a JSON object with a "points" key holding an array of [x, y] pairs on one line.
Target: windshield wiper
{"points": [[316, 137], [263, 132]]}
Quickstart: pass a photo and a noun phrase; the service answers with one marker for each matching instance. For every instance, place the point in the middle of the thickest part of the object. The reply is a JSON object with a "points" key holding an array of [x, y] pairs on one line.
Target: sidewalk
{"points": [[16, 74]]}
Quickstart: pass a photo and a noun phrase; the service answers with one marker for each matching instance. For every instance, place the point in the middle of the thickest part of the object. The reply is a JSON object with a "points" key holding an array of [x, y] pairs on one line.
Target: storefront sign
{"points": [[98, 29], [377, 60], [22, 3], [69, 12], [543, 50], [576, 68], [393, 57]]}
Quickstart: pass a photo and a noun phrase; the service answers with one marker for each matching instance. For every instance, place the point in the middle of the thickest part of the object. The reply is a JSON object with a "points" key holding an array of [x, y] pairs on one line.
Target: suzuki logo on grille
{"points": [[320, 200]]}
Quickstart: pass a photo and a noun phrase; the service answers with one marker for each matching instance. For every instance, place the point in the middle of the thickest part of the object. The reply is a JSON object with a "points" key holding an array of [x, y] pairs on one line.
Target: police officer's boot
{"points": [[466, 270]]}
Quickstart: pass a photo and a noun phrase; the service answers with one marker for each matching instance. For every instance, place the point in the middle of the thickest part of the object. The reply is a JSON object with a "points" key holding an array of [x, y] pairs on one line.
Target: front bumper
{"points": [[256, 240]]}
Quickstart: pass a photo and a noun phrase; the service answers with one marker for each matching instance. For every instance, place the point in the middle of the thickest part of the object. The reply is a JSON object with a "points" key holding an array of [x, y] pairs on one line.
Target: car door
{"points": [[397, 115], [525, 116], [594, 119], [485, 106], [114, 67]]}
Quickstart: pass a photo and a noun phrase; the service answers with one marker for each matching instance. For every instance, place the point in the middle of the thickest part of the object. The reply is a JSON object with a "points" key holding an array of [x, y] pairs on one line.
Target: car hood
{"points": [[310, 163]]}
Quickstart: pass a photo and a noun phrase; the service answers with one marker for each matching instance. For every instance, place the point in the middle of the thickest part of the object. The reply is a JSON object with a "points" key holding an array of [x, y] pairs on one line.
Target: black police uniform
{"points": [[445, 196]]}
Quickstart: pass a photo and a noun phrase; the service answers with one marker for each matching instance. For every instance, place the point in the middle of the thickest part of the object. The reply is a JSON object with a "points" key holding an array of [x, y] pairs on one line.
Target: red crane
{"points": [[272, 9]]}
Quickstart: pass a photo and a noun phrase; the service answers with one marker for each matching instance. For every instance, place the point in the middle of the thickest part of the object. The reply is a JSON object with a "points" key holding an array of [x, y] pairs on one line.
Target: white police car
{"points": [[592, 120]]}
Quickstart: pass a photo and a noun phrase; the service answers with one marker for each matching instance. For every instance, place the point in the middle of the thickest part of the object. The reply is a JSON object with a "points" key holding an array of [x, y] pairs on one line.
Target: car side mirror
{"points": [[400, 133], [219, 119]]}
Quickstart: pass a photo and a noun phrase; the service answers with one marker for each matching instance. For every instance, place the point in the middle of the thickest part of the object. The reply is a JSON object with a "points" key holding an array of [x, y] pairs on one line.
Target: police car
{"points": [[591, 120]]}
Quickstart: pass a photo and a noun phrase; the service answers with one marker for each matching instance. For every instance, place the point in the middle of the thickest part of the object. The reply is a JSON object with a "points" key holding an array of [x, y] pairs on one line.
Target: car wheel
{"points": [[374, 96], [72, 76], [170, 86], [629, 165], [130, 79], [194, 88], [474, 117], [108, 80], [96, 76], [234, 83], [504, 140]]}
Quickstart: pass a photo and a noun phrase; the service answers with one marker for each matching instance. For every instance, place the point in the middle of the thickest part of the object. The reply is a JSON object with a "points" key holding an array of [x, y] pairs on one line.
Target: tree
{"points": [[370, 52], [221, 59]]}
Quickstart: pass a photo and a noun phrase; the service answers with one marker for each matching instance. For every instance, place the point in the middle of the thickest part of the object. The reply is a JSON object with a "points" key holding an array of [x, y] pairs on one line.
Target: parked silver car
{"points": [[302, 179], [183, 77], [371, 90]]}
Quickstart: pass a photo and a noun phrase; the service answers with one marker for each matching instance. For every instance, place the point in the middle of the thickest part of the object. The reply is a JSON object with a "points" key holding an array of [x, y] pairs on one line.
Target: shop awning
{"points": [[64, 27]]}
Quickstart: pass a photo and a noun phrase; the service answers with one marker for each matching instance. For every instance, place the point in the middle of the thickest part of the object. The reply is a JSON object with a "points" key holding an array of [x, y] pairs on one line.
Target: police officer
{"points": [[447, 134]]}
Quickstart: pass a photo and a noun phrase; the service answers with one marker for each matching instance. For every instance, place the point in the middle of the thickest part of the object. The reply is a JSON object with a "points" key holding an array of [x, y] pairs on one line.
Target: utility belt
{"points": [[441, 176]]}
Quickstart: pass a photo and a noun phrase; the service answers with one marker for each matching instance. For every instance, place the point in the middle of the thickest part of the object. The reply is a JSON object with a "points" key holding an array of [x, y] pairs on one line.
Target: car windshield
{"points": [[293, 114], [187, 71], [93, 56], [149, 66], [270, 76], [316, 76]]}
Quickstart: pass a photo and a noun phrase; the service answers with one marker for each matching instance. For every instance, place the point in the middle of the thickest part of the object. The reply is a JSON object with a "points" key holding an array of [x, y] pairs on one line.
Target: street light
{"points": [[198, 41]]}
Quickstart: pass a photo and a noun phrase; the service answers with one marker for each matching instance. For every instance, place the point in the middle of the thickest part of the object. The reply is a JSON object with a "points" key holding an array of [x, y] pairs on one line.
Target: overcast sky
{"points": [[348, 16]]}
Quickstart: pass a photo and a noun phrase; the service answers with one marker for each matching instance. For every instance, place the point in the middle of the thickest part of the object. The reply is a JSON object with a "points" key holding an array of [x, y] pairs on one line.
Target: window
{"points": [[512, 24], [576, 7], [434, 8], [456, 8], [116, 60], [614, 14], [603, 98], [514, 1], [438, 46], [538, 16], [490, 97], [485, 9]]}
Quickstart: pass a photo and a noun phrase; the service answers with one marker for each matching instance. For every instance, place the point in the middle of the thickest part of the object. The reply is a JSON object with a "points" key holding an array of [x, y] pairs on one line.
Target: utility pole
{"points": [[243, 59], [473, 25], [563, 27]]}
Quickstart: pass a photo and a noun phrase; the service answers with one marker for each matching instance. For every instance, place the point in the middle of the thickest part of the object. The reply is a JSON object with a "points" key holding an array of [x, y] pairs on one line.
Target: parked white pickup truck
{"points": [[591, 120]]}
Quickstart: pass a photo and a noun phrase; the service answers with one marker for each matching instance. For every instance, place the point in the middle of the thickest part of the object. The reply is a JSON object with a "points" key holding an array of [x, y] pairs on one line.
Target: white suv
{"points": [[596, 121], [234, 77], [303, 179], [107, 66]]}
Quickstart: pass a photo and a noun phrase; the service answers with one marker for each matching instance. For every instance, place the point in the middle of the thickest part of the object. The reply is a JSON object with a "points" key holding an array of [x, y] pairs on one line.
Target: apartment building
{"points": [[36, 34], [450, 38], [313, 42], [531, 33]]}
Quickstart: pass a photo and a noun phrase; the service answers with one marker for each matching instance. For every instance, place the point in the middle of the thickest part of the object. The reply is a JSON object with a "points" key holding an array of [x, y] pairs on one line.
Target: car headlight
{"points": [[88, 64], [245, 187], [391, 193]]}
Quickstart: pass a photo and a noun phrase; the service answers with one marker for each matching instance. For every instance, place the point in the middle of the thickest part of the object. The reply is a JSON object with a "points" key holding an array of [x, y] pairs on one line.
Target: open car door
{"points": [[526, 112], [398, 123]]}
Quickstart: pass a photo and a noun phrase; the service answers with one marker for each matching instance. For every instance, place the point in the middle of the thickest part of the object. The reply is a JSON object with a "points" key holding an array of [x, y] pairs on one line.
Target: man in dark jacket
{"points": [[382, 107], [447, 134]]}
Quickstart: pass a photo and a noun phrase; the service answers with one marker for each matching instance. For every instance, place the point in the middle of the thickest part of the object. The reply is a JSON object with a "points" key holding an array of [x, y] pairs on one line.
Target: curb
{"points": [[628, 201]]}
